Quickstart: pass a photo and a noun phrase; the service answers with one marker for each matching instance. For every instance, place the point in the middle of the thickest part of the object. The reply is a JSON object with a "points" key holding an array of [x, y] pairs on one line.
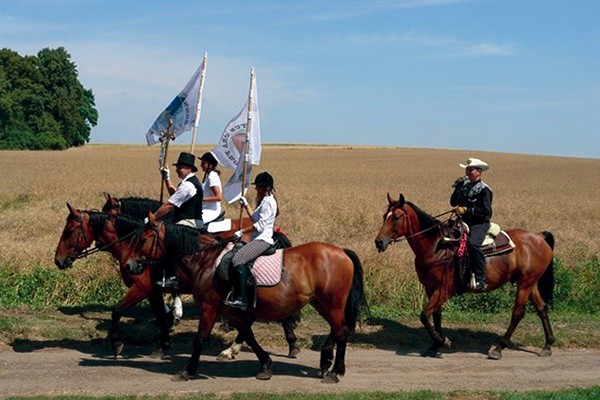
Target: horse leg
{"points": [[339, 366], [434, 304], [266, 372], [208, 316], [229, 353], [437, 323], [517, 315], [134, 295], [157, 303], [542, 310], [326, 355], [289, 324]]}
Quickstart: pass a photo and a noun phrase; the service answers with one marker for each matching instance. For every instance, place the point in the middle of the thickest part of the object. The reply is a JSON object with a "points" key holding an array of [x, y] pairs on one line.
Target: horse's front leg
{"points": [[133, 296], [208, 316], [433, 306], [229, 353]]}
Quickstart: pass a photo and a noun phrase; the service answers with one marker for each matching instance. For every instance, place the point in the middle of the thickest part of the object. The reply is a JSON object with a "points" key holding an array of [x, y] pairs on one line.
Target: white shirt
{"points": [[264, 219], [212, 180], [185, 191]]}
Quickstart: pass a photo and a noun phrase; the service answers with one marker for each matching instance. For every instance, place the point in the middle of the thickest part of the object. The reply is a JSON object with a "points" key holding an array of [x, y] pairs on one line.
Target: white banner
{"points": [[182, 111], [230, 149], [232, 190]]}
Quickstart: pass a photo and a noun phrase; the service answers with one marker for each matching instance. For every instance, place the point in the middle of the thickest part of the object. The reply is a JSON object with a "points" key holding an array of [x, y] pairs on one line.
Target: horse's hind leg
{"points": [[157, 303], [289, 324], [517, 315], [433, 307], [326, 355], [542, 310]]}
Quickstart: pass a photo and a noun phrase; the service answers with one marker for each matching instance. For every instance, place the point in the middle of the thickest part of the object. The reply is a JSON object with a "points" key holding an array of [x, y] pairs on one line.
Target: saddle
{"points": [[496, 240], [265, 269], [495, 243]]}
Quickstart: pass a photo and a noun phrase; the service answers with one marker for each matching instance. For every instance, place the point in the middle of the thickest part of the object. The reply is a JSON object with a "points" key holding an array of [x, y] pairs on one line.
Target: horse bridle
{"points": [[87, 251], [405, 220]]}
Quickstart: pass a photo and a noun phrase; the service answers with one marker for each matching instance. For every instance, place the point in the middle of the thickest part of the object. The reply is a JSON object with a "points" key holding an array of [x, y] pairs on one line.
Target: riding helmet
{"points": [[264, 179]]}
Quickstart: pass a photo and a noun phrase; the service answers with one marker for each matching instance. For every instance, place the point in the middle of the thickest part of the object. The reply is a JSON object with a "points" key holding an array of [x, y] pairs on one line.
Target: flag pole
{"points": [[199, 103], [247, 144], [167, 138]]}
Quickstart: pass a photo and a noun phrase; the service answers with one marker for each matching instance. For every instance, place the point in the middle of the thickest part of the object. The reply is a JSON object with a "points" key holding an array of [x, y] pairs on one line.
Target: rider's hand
{"points": [[238, 234], [243, 201], [165, 173], [460, 211], [459, 182]]}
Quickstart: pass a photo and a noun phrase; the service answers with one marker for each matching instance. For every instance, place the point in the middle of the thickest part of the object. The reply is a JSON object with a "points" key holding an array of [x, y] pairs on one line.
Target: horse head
{"points": [[150, 247], [112, 205], [76, 237], [395, 223]]}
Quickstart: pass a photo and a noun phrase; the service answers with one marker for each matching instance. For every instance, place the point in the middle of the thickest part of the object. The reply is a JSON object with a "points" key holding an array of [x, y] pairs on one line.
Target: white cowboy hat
{"points": [[475, 163]]}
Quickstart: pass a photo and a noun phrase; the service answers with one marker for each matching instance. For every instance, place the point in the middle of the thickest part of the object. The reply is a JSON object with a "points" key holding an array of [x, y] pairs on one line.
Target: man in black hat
{"points": [[186, 204]]}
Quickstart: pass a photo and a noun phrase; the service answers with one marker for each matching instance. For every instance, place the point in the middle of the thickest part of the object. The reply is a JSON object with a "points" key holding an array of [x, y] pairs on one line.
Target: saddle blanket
{"points": [[266, 269]]}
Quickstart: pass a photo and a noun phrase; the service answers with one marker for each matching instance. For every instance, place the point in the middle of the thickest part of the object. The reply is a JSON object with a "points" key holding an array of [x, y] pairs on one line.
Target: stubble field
{"points": [[333, 194]]}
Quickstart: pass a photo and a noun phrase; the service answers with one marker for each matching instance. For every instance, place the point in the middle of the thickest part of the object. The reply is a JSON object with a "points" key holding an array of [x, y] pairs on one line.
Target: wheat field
{"points": [[333, 194]]}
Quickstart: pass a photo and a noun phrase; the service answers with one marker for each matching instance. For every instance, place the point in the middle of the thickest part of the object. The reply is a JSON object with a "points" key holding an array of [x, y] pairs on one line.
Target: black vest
{"points": [[192, 208]]}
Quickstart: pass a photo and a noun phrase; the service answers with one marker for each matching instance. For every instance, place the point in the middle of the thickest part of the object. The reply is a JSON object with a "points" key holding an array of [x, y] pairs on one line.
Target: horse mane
{"points": [[181, 239], [124, 225], [426, 221]]}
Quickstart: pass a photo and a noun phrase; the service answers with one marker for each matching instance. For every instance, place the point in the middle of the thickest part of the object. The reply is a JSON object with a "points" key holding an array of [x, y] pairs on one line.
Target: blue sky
{"points": [[495, 75]]}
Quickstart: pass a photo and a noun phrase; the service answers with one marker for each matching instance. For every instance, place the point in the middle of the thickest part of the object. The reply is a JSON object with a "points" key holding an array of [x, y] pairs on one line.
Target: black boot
{"points": [[171, 279], [241, 299]]}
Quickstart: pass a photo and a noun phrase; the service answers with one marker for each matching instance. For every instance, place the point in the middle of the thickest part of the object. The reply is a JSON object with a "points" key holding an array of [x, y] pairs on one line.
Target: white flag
{"points": [[182, 111], [232, 190], [230, 150]]}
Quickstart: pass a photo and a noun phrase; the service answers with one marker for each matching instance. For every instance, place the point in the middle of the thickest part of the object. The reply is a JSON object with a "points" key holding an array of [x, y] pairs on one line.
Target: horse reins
{"points": [[398, 239]]}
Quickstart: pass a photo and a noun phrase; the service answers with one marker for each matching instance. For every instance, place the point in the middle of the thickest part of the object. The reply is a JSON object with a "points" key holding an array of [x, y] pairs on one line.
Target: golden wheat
{"points": [[334, 194]]}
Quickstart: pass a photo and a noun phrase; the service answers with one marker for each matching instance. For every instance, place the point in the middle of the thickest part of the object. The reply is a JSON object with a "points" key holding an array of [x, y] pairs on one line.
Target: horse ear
{"points": [[107, 196], [390, 201], [402, 200], [151, 218], [71, 209]]}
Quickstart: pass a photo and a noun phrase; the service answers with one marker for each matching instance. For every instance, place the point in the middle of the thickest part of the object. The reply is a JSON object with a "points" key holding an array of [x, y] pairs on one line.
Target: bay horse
{"points": [[138, 207], [326, 276], [529, 265], [115, 233]]}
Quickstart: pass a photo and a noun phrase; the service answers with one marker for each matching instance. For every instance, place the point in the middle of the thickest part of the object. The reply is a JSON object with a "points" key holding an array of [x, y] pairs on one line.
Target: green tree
{"points": [[42, 103]]}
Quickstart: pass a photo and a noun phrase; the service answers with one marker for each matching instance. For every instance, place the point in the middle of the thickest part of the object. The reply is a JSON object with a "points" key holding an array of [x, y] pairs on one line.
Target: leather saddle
{"points": [[496, 240]]}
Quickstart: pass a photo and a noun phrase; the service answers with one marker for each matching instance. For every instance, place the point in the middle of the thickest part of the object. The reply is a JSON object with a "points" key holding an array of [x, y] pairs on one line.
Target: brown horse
{"points": [[115, 234], [326, 276], [529, 265]]}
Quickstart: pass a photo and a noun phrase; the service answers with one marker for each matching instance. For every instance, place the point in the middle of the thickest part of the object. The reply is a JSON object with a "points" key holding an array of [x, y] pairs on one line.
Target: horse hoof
{"points": [[330, 377], [264, 374], [431, 353], [117, 348], [176, 321], [494, 354], [294, 352], [157, 353], [545, 353], [225, 357], [181, 376], [447, 343]]}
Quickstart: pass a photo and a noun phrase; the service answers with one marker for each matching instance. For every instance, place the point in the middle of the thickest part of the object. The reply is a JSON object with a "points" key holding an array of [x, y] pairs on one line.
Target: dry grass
{"points": [[333, 194]]}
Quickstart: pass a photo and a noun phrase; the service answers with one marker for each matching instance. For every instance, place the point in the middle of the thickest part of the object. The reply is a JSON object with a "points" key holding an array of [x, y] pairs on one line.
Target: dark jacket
{"points": [[477, 197], [192, 208]]}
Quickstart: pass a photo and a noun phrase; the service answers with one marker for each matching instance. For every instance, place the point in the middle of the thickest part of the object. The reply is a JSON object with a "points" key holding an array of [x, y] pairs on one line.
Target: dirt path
{"points": [[53, 371]]}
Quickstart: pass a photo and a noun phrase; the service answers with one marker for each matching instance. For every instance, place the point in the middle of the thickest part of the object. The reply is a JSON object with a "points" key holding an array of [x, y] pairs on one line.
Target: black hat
{"points": [[210, 158], [264, 179], [187, 159]]}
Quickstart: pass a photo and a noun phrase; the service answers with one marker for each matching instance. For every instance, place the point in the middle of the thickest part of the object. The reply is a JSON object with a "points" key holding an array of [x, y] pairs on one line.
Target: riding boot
{"points": [[241, 300], [171, 279]]}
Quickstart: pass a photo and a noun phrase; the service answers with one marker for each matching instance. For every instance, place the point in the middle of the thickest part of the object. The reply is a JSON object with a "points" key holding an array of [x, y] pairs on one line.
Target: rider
{"points": [[186, 203], [473, 201], [262, 235], [211, 186]]}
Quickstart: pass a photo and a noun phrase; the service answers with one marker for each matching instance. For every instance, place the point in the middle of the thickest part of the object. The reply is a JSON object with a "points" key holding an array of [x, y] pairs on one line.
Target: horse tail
{"points": [[546, 281], [356, 298]]}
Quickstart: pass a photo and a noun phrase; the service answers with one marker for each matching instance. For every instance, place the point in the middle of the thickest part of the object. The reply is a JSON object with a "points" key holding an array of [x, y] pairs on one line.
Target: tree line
{"points": [[42, 103]]}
